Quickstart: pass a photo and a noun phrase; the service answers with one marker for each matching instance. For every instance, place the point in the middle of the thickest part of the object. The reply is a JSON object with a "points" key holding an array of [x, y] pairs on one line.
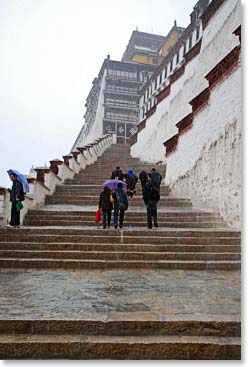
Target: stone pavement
{"points": [[161, 294], [172, 292]]}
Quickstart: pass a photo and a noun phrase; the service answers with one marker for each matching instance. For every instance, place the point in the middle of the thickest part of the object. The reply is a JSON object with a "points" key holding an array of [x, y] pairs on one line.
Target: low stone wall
{"points": [[47, 178]]}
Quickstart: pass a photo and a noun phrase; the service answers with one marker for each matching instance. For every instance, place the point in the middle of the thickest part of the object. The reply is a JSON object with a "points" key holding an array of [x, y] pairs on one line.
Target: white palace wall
{"points": [[206, 162], [206, 166]]}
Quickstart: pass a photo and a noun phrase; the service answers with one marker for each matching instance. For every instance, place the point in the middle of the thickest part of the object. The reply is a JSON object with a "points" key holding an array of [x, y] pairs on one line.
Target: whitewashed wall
{"points": [[97, 128], [217, 42], [206, 165]]}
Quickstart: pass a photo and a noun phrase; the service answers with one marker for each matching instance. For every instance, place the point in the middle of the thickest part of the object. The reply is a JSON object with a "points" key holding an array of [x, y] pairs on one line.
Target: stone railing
{"points": [[47, 178]]}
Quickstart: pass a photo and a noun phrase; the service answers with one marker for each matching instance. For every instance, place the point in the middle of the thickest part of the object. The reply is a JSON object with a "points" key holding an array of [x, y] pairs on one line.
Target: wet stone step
{"points": [[117, 264], [171, 224], [120, 347], [127, 240], [117, 255], [89, 200], [174, 214], [139, 325], [179, 233], [128, 219], [15, 245]]}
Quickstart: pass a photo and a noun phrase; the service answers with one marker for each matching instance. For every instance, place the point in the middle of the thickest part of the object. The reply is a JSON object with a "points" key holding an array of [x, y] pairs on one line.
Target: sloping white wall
{"points": [[206, 163], [217, 42]]}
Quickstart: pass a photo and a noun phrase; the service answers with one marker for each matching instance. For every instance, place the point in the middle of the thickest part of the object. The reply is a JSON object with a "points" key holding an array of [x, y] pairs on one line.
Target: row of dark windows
{"points": [[121, 89], [123, 74], [158, 81]]}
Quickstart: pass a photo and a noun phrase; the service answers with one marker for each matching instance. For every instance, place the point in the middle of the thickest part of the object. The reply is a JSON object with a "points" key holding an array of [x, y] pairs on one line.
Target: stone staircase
{"points": [[62, 236], [120, 339]]}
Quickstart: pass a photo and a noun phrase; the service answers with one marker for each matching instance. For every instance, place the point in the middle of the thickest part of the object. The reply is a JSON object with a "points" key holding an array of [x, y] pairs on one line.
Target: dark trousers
{"points": [[15, 215], [151, 213], [118, 213], [106, 218]]}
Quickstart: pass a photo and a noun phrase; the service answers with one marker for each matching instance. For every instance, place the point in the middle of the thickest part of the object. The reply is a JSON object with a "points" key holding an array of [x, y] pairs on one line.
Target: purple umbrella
{"points": [[112, 184]]}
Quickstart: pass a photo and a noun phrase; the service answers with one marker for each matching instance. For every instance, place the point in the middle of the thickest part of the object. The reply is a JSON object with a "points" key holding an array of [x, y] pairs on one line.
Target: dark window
{"points": [[190, 42], [165, 71], [184, 48], [197, 32]]}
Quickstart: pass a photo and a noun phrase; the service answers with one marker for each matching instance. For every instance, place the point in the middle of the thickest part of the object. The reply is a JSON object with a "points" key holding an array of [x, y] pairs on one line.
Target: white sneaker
{"points": [[9, 226]]}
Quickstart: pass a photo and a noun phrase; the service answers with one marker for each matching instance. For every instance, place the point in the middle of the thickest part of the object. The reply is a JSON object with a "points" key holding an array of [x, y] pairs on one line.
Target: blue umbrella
{"points": [[112, 184], [20, 178]]}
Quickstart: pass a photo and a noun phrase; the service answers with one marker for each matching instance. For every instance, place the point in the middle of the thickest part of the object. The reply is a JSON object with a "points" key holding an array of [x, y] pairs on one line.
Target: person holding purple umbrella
{"points": [[16, 197], [105, 204]]}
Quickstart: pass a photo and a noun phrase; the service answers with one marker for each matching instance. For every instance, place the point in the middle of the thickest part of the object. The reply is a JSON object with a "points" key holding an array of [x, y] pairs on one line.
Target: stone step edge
{"points": [[120, 322], [68, 263], [170, 214], [33, 251], [130, 339], [222, 248], [177, 232], [113, 244], [124, 237]]}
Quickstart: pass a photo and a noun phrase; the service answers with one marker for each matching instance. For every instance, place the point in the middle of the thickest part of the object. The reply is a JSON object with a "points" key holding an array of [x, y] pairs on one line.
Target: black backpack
{"points": [[121, 203]]}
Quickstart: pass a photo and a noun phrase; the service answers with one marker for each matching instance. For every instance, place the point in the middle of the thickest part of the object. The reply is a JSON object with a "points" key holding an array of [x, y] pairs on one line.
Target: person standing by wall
{"points": [[16, 197]]}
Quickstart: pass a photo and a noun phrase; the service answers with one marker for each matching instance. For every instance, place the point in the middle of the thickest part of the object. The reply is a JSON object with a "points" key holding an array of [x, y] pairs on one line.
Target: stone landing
{"points": [[72, 290], [119, 314]]}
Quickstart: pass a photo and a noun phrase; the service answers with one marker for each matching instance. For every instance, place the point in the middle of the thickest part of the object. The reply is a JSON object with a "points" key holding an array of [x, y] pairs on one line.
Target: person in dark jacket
{"points": [[16, 195], [143, 179], [151, 197], [120, 205], [156, 178], [131, 180], [106, 206], [117, 174]]}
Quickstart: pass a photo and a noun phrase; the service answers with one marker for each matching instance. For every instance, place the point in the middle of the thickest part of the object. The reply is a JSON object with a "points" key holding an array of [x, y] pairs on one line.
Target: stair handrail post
{"points": [[94, 148], [82, 159], [90, 153], [65, 172], [5, 205], [68, 162], [75, 164]]}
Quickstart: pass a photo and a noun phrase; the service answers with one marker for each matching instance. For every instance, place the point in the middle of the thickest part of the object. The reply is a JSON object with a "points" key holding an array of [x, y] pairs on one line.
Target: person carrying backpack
{"points": [[151, 197], [120, 205], [131, 180], [156, 178], [143, 179], [106, 206]]}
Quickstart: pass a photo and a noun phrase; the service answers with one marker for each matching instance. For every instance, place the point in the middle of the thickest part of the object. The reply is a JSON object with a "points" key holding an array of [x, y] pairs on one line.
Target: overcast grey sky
{"points": [[50, 52]]}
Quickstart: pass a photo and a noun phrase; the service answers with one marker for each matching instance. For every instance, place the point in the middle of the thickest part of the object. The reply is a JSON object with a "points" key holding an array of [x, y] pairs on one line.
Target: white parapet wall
{"points": [[203, 160], [46, 181]]}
